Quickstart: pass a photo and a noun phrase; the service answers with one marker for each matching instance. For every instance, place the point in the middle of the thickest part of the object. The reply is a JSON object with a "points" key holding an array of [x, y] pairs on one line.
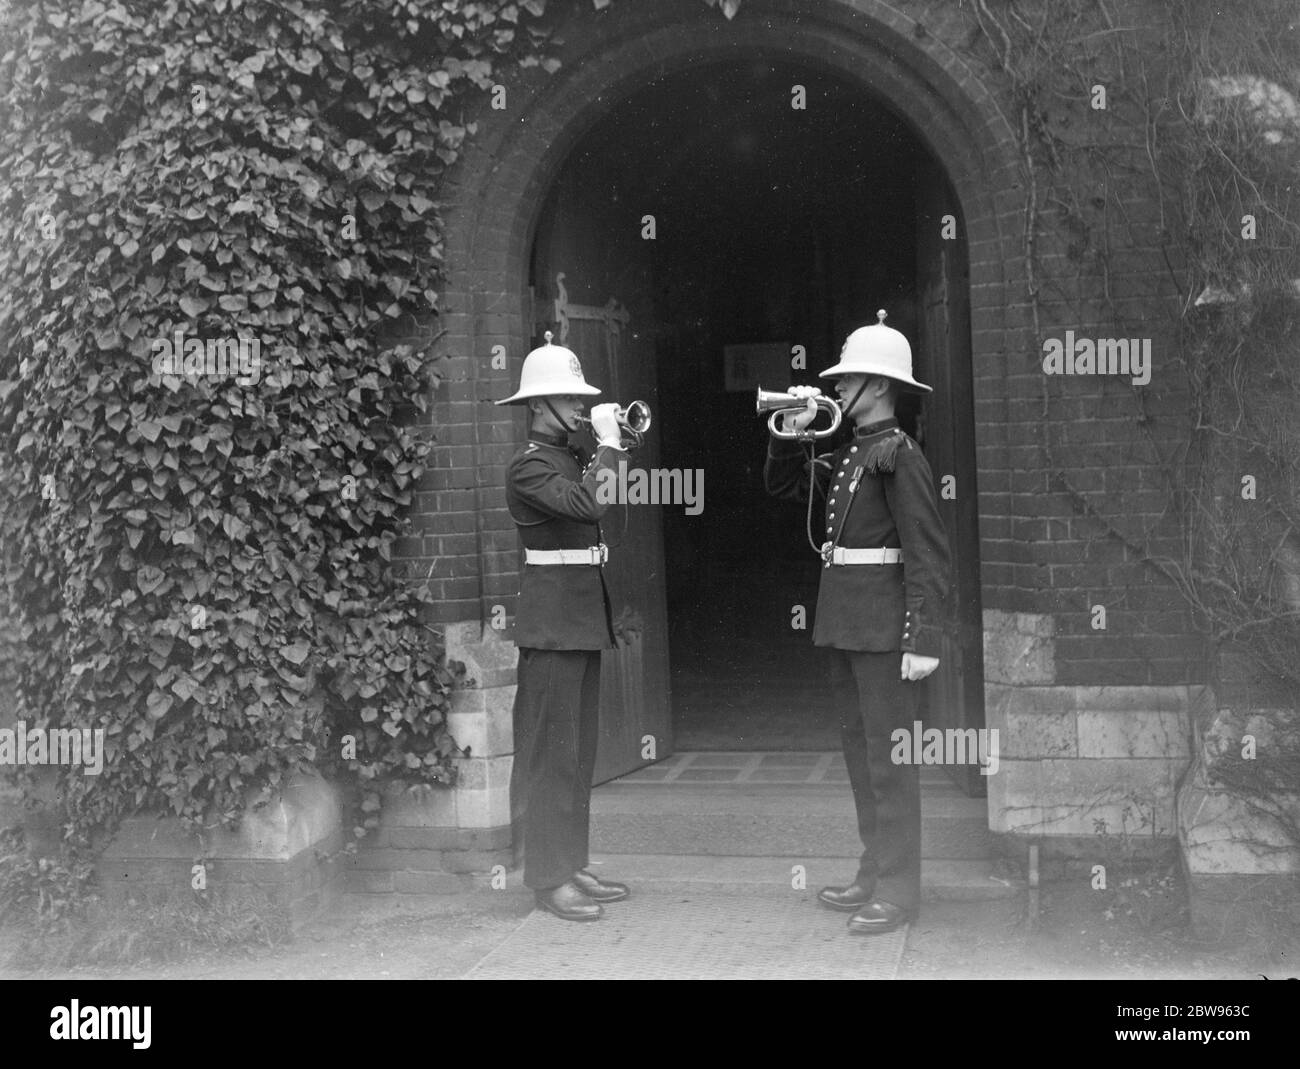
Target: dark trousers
{"points": [[556, 724], [872, 701]]}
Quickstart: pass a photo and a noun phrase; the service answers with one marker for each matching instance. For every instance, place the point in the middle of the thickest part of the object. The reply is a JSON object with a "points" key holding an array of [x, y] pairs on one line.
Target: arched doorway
{"points": [[714, 232], [553, 192]]}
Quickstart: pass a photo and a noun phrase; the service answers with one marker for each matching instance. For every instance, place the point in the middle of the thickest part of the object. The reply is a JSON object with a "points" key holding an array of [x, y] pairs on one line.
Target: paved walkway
{"points": [[488, 934], [664, 936]]}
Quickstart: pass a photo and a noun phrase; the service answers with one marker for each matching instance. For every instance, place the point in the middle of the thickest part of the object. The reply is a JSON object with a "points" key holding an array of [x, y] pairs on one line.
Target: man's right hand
{"points": [[604, 423], [803, 420]]}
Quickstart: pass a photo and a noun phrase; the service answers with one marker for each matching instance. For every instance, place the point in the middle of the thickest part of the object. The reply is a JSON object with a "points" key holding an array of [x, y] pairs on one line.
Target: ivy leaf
{"points": [[193, 306], [296, 652], [149, 578]]}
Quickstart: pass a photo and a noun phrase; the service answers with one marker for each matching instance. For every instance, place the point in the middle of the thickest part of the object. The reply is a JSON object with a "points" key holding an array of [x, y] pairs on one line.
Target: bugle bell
{"points": [[633, 420], [776, 403]]}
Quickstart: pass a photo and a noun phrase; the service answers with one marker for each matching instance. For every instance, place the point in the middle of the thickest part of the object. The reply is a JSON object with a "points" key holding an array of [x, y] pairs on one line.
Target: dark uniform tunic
{"points": [[870, 614], [561, 624]]}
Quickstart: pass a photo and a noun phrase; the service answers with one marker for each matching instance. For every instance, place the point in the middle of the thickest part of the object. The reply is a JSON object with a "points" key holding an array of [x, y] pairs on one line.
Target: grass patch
{"points": [[52, 919]]}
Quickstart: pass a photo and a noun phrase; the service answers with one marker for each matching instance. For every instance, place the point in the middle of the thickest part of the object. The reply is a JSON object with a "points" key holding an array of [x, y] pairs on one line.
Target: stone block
{"points": [[430, 883], [280, 853], [1035, 734], [494, 838], [389, 860], [1052, 797], [306, 813], [1274, 732], [362, 881], [1018, 647], [476, 861], [1134, 734], [483, 720], [1029, 700], [489, 659], [485, 809], [481, 773], [436, 839], [1223, 830], [1120, 699], [419, 807]]}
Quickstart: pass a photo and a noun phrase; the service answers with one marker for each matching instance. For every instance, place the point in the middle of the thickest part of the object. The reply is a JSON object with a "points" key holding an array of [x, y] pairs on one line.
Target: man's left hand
{"points": [[917, 667]]}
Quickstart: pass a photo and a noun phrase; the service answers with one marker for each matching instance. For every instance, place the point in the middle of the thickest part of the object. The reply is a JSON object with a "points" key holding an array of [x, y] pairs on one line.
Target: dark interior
{"points": [[774, 225]]}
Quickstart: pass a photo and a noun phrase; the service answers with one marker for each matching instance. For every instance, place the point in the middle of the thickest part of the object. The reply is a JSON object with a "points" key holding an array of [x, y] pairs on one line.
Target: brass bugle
{"points": [[634, 420], [776, 403]]}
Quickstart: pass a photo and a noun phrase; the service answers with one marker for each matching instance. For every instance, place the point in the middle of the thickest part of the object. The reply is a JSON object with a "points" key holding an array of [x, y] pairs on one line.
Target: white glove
{"points": [[917, 667], [804, 419], [604, 423]]}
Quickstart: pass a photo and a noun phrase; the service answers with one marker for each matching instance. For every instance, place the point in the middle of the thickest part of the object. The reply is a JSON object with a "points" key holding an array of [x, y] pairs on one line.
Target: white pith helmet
{"points": [[877, 350], [550, 371]]}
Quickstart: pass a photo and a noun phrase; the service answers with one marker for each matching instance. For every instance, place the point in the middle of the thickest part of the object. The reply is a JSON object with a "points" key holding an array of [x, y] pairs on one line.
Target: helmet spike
{"points": [[548, 336], [880, 315]]}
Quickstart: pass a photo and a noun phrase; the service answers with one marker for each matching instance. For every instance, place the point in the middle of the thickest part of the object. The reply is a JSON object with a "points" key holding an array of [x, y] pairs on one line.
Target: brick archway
{"points": [[492, 200], [496, 190]]}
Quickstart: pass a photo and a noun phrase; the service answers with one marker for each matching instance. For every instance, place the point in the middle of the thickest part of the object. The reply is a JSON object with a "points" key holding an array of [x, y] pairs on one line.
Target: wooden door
{"points": [[591, 289], [947, 427]]}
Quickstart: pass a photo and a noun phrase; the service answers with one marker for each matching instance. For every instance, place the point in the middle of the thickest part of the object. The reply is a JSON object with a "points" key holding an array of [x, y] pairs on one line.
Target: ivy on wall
{"points": [[215, 209], [1219, 131], [218, 212]]}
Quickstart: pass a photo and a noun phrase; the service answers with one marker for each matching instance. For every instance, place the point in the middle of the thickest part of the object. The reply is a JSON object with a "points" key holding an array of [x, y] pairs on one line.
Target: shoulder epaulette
{"points": [[883, 455]]}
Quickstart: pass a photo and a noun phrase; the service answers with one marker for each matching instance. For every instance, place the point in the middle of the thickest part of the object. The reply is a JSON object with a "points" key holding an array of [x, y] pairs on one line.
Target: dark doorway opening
{"points": [[783, 227]]}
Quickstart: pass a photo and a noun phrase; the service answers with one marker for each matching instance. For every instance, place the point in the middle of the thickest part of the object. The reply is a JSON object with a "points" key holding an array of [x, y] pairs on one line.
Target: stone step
{"points": [[941, 880], [777, 820]]}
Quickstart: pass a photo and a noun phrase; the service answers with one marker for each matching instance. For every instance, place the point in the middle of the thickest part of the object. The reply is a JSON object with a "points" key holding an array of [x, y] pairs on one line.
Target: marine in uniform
{"points": [[884, 581], [562, 623]]}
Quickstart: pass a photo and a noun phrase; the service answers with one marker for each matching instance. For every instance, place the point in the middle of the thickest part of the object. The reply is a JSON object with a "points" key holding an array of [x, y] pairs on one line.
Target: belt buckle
{"points": [[600, 554], [827, 549]]}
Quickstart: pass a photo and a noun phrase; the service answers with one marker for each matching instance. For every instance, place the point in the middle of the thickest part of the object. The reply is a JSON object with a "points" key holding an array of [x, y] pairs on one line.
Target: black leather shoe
{"points": [[878, 917], [569, 903], [849, 898], [599, 890]]}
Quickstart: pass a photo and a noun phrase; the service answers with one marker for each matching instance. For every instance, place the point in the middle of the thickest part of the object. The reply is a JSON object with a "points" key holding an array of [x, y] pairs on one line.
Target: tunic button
{"points": [[853, 449], [832, 516], [846, 462]]}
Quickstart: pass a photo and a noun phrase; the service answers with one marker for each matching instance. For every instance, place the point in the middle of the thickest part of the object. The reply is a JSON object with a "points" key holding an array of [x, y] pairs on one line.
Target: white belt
{"points": [[592, 555], [840, 555]]}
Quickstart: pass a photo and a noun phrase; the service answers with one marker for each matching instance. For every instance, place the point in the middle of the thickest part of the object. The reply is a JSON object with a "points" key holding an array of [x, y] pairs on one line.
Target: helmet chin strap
{"points": [[567, 429], [854, 400]]}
